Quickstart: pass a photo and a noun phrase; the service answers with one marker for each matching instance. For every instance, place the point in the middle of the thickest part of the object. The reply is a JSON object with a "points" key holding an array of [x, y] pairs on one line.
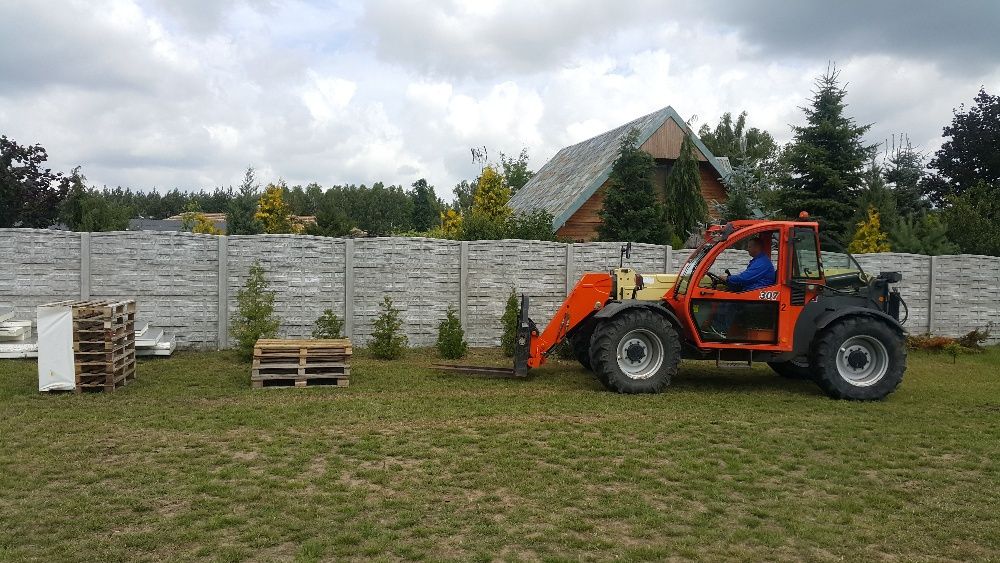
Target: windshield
{"points": [[836, 261], [691, 265]]}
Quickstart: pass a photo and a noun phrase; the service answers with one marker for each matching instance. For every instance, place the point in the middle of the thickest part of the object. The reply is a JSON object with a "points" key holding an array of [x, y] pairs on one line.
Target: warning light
{"points": [[803, 214]]}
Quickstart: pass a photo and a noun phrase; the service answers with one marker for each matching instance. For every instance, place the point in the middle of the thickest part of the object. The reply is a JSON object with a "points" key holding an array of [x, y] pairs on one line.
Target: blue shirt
{"points": [[759, 273]]}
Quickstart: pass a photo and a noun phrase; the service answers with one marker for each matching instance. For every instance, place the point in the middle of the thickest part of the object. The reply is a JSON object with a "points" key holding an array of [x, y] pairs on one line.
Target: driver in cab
{"points": [[759, 273]]}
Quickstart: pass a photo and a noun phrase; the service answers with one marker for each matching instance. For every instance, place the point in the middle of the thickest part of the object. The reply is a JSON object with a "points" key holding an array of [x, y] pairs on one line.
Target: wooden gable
{"points": [[666, 141]]}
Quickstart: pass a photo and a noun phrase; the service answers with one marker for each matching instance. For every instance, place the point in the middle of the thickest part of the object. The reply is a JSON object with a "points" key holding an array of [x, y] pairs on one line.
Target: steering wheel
{"points": [[717, 280]]}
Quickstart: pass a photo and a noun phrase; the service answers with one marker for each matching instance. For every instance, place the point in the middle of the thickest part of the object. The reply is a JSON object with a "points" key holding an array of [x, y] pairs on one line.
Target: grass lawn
{"points": [[189, 463]]}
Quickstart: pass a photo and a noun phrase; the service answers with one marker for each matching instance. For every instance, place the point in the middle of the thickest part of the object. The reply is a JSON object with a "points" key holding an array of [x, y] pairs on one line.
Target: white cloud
{"points": [[327, 97], [162, 94]]}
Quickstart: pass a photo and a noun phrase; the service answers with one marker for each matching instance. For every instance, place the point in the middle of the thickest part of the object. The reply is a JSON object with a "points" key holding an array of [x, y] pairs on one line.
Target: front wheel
{"points": [[859, 358], [637, 351]]}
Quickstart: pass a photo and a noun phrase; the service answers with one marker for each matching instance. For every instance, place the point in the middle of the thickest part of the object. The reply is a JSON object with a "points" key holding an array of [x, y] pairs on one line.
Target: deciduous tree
{"points": [[29, 193], [869, 237], [272, 211], [969, 156]]}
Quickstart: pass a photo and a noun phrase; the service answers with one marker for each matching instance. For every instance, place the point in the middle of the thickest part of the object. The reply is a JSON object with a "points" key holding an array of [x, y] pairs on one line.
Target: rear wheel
{"points": [[793, 369], [637, 351], [859, 358]]}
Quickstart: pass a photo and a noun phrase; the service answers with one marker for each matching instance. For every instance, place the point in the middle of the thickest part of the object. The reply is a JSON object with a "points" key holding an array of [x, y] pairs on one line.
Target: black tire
{"points": [[652, 352], [798, 368], [580, 341], [851, 348]]}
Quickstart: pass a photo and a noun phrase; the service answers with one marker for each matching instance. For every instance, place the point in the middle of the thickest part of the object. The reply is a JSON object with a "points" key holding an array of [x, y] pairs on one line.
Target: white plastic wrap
{"points": [[56, 371]]}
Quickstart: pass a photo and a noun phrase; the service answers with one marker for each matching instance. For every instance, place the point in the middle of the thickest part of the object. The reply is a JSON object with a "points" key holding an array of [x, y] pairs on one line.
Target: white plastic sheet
{"points": [[56, 371]]}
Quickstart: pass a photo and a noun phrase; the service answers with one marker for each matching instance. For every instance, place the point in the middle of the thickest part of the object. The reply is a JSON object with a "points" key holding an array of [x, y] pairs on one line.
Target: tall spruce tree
{"points": [[426, 207], [686, 210], [631, 211], [904, 172], [240, 218], [826, 160]]}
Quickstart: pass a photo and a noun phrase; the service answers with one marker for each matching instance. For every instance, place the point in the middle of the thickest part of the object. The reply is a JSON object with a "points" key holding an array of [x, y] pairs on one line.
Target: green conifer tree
{"points": [[426, 206], [240, 216], [826, 160], [686, 209], [388, 341], [631, 211], [254, 316]]}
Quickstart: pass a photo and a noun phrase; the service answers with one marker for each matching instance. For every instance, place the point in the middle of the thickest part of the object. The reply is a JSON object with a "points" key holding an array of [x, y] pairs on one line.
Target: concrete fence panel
{"points": [[306, 273], [188, 283], [36, 267], [421, 276], [172, 276]]}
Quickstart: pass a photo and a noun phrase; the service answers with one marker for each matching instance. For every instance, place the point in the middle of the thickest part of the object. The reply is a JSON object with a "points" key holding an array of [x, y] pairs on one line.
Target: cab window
{"points": [[805, 255]]}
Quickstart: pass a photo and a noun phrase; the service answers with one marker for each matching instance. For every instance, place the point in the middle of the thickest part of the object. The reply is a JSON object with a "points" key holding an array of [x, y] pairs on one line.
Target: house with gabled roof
{"points": [[571, 186]]}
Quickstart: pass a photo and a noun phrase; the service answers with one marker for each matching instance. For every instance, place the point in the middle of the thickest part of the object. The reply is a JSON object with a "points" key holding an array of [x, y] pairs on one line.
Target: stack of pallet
{"points": [[86, 345], [103, 344], [301, 363]]}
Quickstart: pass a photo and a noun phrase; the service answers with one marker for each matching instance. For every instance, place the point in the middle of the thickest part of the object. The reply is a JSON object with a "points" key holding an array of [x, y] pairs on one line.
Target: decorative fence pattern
{"points": [[187, 283]]}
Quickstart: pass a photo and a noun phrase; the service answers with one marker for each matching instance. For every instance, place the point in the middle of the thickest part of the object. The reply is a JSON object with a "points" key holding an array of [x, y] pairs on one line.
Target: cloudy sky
{"points": [[156, 94]]}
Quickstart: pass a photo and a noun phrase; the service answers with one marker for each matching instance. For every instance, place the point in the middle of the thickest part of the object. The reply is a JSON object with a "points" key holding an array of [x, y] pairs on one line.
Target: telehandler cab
{"points": [[822, 319]]}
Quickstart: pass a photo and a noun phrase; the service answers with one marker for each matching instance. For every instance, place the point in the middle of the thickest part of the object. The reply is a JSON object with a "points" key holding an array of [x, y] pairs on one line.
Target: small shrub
{"points": [[508, 322], [971, 342], [953, 350], [451, 342], [328, 325], [975, 338], [928, 342], [254, 317], [388, 341]]}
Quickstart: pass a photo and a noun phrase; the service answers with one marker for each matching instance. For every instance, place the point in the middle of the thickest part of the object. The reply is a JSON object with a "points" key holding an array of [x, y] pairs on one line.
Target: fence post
{"points": [[223, 258], [668, 259], [349, 287], [84, 266], [463, 284], [570, 279], [930, 294]]}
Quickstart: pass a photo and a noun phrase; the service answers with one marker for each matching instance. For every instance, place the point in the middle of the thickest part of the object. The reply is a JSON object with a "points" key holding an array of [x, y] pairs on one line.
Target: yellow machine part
{"points": [[654, 286]]}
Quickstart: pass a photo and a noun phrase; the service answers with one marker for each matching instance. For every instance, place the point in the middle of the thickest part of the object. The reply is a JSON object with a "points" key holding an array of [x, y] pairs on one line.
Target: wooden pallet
{"points": [[297, 381], [103, 343], [301, 363]]}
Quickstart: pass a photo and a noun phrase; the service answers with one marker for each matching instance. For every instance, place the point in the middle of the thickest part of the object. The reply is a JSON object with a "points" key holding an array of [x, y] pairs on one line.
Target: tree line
{"points": [[35, 196]]}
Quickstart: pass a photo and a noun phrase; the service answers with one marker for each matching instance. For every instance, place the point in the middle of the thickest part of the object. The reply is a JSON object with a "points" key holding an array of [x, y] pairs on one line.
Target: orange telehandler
{"points": [[823, 319]]}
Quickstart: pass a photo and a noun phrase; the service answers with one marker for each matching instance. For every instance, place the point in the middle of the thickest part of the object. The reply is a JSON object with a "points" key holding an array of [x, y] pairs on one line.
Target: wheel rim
{"points": [[640, 354], [862, 360]]}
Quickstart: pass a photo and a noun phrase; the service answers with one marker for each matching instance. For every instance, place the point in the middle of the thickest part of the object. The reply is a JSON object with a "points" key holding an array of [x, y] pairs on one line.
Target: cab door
{"points": [[723, 317], [804, 276]]}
